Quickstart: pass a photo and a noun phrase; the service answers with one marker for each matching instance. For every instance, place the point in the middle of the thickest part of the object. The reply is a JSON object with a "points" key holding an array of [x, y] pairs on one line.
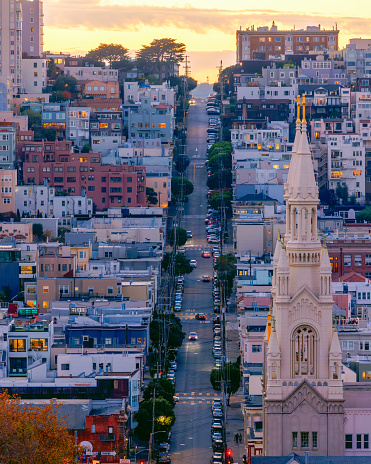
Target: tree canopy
{"points": [[113, 53], [232, 377], [151, 196], [164, 388], [181, 186], [33, 434], [364, 215], [164, 417], [181, 264], [181, 236], [65, 84], [221, 197], [226, 267], [220, 147], [163, 54]]}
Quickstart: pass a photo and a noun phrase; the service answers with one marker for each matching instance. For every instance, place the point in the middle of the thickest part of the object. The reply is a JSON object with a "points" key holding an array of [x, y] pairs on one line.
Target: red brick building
{"points": [[107, 435], [264, 42], [350, 255], [108, 185]]}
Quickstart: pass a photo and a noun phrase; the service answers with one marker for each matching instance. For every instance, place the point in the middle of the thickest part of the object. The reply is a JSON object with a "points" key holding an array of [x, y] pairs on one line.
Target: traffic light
{"points": [[229, 454], [142, 462], [244, 459]]}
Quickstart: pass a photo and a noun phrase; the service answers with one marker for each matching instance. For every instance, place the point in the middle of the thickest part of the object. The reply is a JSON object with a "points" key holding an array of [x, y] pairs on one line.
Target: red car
{"points": [[206, 254], [205, 278], [200, 316]]}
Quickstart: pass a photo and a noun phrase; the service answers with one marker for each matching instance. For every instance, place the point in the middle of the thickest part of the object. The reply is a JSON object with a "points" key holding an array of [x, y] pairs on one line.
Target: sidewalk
{"points": [[235, 425]]}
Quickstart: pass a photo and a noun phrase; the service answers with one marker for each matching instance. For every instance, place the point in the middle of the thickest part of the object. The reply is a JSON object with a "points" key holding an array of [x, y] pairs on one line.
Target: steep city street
{"points": [[191, 438]]}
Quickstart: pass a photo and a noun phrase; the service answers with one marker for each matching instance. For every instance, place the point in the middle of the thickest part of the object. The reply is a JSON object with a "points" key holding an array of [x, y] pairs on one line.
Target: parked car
{"points": [[193, 263], [189, 234]]}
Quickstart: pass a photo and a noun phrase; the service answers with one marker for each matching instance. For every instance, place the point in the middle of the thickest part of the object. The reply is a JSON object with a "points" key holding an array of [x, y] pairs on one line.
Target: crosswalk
{"points": [[196, 398]]}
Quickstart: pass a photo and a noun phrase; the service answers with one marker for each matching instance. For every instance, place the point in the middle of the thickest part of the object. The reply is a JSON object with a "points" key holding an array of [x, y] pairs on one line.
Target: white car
{"points": [[193, 263]]}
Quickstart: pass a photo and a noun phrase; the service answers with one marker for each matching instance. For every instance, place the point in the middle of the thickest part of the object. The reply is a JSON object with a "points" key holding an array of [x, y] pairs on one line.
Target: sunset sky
{"points": [[207, 27]]}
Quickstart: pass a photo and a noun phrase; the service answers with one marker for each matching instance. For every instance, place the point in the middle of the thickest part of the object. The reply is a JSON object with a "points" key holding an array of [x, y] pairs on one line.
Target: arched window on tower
{"points": [[304, 351]]}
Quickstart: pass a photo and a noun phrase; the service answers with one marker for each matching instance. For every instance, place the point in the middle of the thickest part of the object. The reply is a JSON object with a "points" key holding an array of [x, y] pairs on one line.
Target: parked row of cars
{"points": [[179, 293], [217, 432], [217, 343], [213, 131], [213, 227]]}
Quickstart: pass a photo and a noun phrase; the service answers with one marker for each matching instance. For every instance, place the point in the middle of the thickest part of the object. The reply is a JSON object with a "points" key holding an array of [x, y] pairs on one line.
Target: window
{"points": [[365, 441], [294, 439], [358, 260], [93, 428], [39, 344], [256, 348], [17, 344], [65, 367], [109, 290], [359, 441], [347, 260], [350, 345], [304, 439], [348, 441], [46, 288], [314, 440], [367, 260]]}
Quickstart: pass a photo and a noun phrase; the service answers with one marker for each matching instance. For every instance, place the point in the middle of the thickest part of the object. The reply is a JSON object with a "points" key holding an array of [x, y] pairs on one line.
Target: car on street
{"points": [[189, 234], [218, 363], [164, 457], [217, 402], [206, 254], [200, 317], [193, 263], [177, 307], [182, 250], [217, 413], [175, 399], [173, 365], [206, 278], [192, 336]]}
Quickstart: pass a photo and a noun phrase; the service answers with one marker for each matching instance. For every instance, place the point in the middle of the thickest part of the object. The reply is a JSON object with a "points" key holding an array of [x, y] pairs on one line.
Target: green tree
{"points": [[220, 147], [164, 388], [65, 83], [342, 193], [181, 162], [5, 294], [181, 264], [232, 378], [57, 97], [226, 267], [181, 186], [151, 196], [364, 215], [174, 334], [181, 237], [164, 417], [220, 198], [163, 55], [37, 231], [34, 119], [220, 180], [328, 197], [219, 160], [113, 53], [86, 148]]}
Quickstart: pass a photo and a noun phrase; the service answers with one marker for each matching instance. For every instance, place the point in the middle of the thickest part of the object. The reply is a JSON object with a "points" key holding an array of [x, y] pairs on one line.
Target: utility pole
{"points": [[150, 446], [220, 77], [185, 87]]}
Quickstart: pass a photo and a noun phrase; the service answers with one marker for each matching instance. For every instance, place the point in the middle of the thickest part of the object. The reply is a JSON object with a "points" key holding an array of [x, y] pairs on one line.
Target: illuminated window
{"points": [[259, 146], [17, 344], [103, 125], [39, 344], [277, 146], [26, 269], [45, 304], [31, 303], [275, 166], [162, 124], [46, 289], [286, 166], [83, 160]]}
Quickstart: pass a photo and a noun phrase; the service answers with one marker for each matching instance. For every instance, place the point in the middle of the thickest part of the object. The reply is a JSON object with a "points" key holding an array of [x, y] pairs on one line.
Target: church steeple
{"points": [[303, 355]]}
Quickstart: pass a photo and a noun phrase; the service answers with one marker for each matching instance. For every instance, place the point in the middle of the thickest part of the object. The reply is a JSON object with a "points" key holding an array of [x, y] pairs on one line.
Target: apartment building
{"points": [[264, 42], [134, 92], [7, 145], [346, 163], [77, 126], [32, 200], [34, 75], [96, 88], [32, 28], [91, 73], [107, 185], [8, 182], [54, 117], [11, 43]]}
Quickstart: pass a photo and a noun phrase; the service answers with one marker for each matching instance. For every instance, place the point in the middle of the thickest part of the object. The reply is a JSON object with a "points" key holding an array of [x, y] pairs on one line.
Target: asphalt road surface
{"points": [[191, 439]]}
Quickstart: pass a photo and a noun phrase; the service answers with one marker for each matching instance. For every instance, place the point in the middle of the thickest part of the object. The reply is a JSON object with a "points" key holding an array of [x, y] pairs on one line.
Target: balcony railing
{"points": [[106, 437]]}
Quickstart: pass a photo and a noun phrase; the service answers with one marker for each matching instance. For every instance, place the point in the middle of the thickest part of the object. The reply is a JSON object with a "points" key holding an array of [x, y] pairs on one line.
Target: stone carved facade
{"points": [[302, 389]]}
